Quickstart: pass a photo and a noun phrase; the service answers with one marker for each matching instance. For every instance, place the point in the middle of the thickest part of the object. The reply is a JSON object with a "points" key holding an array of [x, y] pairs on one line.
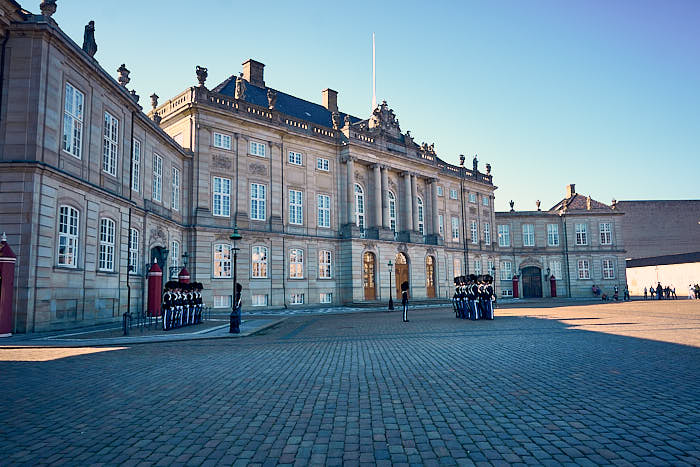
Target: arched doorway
{"points": [[430, 277], [401, 272], [532, 282], [368, 275]]}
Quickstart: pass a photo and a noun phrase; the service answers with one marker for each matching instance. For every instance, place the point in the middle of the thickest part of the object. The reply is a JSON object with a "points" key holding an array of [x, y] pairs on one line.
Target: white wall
{"points": [[673, 275]]}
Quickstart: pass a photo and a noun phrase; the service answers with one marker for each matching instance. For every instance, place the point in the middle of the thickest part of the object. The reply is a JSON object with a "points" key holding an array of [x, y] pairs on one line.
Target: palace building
{"points": [[333, 209]]}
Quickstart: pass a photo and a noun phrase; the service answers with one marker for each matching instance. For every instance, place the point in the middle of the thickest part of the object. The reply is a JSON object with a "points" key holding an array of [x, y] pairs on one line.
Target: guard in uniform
{"points": [[167, 305], [455, 299], [488, 296], [404, 300], [472, 297]]}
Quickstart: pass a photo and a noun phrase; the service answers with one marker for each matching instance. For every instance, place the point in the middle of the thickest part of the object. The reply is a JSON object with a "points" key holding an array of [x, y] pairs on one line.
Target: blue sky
{"points": [[604, 94]]}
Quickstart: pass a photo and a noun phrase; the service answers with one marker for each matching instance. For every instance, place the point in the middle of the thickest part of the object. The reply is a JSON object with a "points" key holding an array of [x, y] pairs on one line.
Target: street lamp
{"points": [[235, 318], [464, 219], [391, 293]]}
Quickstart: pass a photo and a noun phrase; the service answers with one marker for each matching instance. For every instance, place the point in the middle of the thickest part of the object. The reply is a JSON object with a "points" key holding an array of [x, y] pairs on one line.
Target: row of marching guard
{"points": [[182, 304], [474, 297]]}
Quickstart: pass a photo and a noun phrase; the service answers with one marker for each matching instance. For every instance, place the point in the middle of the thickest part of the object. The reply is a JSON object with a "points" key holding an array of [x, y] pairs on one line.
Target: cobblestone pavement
{"points": [[530, 387]]}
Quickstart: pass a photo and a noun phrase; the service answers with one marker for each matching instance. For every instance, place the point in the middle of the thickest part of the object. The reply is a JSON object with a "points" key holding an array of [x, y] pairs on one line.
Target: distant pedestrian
{"points": [[645, 293], [659, 291], [673, 293], [691, 292], [627, 293], [652, 291], [404, 300]]}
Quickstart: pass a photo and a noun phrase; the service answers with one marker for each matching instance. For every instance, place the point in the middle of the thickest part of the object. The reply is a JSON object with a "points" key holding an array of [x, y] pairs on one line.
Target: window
{"points": [[506, 293], [324, 264], [392, 211], [68, 218], [259, 262], [73, 121], [257, 149], [222, 260], [605, 233], [472, 197], [584, 271], [133, 251], [326, 297], [359, 207], [222, 301], [477, 266], [222, 197], [294, 158], [552, 235], [157, 177], [441, 225], [175, 202], [608, 269], [110, 144], [487, 233], [581, 234], [296, 263], [504, 235], [259, 299], [296, 299], [324, 211], [474, 232], [528, 235], [491, 267], [439, 191], [222, 141], [484, 200], [555, 269], [506, 270], [456, 267], [136, 165], [106, 251], [455, 228], [453, 193], [174, 259], [421, 223], [257, 202], [322, 164], [296, 207]]}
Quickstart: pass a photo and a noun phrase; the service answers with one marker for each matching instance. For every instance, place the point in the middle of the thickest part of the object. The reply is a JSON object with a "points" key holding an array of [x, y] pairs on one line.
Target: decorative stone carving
{"points": [[392, 184], [430, 251], [537, 203], [383, 120], [488, 169], [588, 203], [154, 103], [408, 139], [219, 161], [89, 44], [359, 176], [402, 248], [257, 169], [271, 98], [475, 164], [428, 150], [335, 117], [240, 87], [347, 121], [202, 74], [512, 203], [48, 8], [123, 75], [134, 96], [370, 246], [157, 233]]}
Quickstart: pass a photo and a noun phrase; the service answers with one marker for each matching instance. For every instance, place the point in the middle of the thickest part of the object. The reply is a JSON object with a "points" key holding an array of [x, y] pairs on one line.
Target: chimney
{"points": [[253, 72], [330, 99], [570, 190]]}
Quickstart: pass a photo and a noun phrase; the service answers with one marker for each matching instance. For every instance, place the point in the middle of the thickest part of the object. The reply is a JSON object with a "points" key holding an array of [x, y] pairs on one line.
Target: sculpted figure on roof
{"points": [[383, 120], [240, 87]]}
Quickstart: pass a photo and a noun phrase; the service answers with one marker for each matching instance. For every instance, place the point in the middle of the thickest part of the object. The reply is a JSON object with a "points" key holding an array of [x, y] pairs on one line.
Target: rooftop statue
{"points": [[89, 44], [271, 98], [240, 87]]}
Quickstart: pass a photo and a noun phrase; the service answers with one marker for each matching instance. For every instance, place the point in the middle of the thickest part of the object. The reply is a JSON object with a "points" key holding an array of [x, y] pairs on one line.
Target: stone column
{"points": [[414, 196], [408, 203], [385, 198], [434, 206], [377, 196], [351, 190]]}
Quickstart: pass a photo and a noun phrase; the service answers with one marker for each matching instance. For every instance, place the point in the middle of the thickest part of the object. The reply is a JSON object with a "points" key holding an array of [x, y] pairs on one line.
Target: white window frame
{"points": [[529, 235], [325, 264], [487, 233], [477, 265], [441, 225], [490, 267], [296, 263], [504, 235], [222, 140], [295, 158], [136, 165], [484, 200], [296, 298], [359, 206], [175, 258], [608, 269], [421, 217], [221, 197], [175, 194], [440, 191], [584, 269], [552, 235], [605, 233], [258, 300], [257, 149], [581, 234], [68, 236], [157, 190], [474, 231], [456, 267], [258, 262], [324, 211], [323, 164], [258, 202], [506, 271], [472, 198], [296, 207], [222, 301], [73, 115], [134, 238], [325, 297], [221, 261], [105, 257], [453, 193], [392, 210], [455, 228], [110, 144]]}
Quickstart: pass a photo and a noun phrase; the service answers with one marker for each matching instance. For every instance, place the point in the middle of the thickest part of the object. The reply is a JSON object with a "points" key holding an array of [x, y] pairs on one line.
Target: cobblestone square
{"points": [[577, 384]]}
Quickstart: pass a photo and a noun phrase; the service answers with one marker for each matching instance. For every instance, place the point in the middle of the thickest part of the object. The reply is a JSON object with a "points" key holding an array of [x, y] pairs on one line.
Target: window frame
{"points": [[474, 231], [326, 294], [157, 196], [258, 202], [440, 191], [506, 271], [222, 259], [581, 232], [106, 244], [297, 298], [359, 206], [220, 199], [222, 138], [135, 165], [420, 209], [262, 262], [323, 214], [553, 235], [393, 224], [175, 189], [69, 131], [295, 158], [325, 264], [72, 238], [487, 233], [484, 200], [584, 273], [323, 164], [134, 239], [175, 258], [110, 144], [610, 269], [257, 149], [504, 235], [296, 207], [296, 263], [253, 301], [472, 198], [453, 193], [455, 228], [603, 233], [441, 225], [528, 237]]}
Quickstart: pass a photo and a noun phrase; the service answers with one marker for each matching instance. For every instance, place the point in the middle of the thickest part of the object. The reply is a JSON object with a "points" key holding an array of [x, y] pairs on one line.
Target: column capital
{"points": [[376, 165], [348, 159]]}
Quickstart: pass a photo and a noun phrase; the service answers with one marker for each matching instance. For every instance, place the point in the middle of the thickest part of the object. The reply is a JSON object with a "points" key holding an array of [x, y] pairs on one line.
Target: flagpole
{"points": [[374, 77]]}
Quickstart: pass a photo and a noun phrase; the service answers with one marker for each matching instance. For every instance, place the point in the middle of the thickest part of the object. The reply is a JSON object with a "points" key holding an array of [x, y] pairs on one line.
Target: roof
{"points": [[666, 259], [286, 103], [580, 203]]}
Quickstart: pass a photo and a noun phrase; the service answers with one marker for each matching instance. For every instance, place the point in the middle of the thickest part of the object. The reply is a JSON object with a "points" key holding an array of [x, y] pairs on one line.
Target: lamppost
{"points": [[391, 293], [464, 219], [235, 318]]}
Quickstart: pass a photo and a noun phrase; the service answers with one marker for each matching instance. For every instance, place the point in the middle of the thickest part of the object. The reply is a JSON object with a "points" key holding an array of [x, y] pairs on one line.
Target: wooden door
{"points": [[401, 273], [532, 282], [368, 276], [430, 277]]}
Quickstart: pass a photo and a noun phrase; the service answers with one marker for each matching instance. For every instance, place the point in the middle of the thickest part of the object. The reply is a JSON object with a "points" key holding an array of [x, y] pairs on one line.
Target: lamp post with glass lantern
{"points": [[464, 219], [391, 293], [235, 318]]}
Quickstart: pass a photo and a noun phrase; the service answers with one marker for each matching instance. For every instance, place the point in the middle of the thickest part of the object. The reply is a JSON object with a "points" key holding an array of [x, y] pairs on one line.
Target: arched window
{"points": [[68, 218], [106, 252], [392, 210], [421, 224], [133, 251], [259, 262], [359, 207]]}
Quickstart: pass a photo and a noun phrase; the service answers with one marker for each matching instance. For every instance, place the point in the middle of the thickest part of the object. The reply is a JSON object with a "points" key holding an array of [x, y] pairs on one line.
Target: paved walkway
{"points": [[535, 386]]}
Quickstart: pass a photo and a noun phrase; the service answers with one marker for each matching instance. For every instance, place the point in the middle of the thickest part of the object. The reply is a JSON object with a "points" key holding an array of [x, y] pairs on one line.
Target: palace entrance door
{"points": [[368, 276], [430, 277], [532, 282], [401, 272]]}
